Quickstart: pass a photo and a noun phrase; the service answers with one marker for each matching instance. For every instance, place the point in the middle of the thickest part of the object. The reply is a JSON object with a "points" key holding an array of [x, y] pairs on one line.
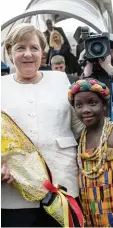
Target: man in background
{"points": [[58, 64]]}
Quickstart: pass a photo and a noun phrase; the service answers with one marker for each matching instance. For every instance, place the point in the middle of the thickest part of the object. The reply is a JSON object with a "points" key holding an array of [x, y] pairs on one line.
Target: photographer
{"points": [[96, 61], [101, 69]]}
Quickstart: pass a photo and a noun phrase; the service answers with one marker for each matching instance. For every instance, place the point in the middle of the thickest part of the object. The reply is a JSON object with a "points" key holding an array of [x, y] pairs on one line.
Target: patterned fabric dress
{"points": [[97, 194]]}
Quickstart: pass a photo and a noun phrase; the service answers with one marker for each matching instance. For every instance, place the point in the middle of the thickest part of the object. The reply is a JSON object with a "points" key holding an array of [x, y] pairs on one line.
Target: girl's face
{"points": [[89, 108]]}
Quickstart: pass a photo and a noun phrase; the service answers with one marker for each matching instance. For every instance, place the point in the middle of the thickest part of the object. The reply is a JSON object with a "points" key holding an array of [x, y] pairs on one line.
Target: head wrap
{"points": [[92, 85]]}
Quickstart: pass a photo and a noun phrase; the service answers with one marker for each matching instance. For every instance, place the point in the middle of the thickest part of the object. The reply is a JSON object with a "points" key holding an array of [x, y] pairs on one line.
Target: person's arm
{"points": [[110, 141], [106, 65], [76, 124], [65, 50], [87, 72]]}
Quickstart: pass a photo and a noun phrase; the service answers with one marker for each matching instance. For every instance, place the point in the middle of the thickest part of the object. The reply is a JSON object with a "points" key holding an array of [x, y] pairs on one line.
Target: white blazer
{"points": [[43, 112]]}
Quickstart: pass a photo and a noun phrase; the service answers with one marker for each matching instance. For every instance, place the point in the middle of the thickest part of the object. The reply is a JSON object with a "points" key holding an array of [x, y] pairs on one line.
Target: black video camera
{"points": [[97, 46]]}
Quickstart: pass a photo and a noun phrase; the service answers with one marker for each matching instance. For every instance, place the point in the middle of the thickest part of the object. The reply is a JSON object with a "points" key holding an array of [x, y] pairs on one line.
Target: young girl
{"points": [[95, 151]]}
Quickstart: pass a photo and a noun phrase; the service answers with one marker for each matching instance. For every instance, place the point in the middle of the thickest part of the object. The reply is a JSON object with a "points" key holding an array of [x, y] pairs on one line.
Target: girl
{"points": [[95, 151]]}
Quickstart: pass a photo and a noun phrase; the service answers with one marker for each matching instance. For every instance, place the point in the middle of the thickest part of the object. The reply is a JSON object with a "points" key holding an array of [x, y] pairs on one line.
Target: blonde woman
{"points": [[59, 47], [56, 40], [51, 28], [37, 103]]}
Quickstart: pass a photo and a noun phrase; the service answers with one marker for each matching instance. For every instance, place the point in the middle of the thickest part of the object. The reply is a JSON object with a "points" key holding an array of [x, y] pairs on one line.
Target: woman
{"points": [[95, 151], [37, 103], [58, 47]]}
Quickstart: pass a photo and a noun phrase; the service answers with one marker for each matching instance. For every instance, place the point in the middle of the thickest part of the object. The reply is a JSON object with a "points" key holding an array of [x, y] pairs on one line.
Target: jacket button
{"points": [[30, 101], [33, 131], [32, 114]]}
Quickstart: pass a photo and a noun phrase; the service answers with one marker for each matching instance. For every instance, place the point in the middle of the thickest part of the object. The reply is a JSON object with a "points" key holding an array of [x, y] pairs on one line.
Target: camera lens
{"points": [[97, 48]]}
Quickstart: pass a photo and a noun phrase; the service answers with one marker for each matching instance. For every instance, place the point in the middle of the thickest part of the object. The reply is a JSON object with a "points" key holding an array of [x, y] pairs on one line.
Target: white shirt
{"points": [[43, 112]]}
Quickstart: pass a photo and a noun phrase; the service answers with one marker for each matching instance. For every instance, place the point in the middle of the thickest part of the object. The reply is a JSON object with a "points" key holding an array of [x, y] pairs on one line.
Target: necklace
{"points": [[99, 154], [33, 81]]}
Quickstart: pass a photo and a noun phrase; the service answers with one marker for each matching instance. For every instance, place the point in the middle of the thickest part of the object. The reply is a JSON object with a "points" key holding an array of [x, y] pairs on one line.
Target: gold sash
{"points": [[31, 174], [24, 160]]}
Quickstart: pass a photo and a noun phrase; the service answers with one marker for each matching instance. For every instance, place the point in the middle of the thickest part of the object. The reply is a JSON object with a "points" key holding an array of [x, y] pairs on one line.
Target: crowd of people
{"points": [[61, 108]]}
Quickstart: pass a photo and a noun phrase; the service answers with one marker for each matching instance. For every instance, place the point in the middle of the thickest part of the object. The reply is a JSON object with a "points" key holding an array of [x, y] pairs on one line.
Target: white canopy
{"points": [[95, 13]]}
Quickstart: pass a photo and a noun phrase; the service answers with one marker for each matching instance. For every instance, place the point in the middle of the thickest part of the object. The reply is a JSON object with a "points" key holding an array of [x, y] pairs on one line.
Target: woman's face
{"points": [[56, 37], [26, 56], [89, 108]]}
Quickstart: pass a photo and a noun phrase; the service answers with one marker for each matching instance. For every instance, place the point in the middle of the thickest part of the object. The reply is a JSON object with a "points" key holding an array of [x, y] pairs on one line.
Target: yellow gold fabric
{"points": [[57, 211], [24, 160], [29, 169]]}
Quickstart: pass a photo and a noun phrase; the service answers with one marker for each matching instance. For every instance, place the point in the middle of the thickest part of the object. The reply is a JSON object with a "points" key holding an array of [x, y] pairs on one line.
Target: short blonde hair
{"points": [[51, 38], [21, 32]]}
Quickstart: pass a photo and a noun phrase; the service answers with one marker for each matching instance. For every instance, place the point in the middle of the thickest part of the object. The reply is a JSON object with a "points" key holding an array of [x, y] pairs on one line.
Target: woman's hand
{"points": [[5, 174]]}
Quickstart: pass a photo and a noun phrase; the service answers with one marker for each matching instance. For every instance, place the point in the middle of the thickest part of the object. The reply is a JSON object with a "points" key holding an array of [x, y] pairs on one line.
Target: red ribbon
{"points": [[76, 209], [72, 202], [70, 219], [47, 184]]}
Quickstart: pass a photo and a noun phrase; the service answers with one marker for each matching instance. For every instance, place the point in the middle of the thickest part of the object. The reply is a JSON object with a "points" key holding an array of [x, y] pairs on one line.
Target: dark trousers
{"points": [[33, 217]]}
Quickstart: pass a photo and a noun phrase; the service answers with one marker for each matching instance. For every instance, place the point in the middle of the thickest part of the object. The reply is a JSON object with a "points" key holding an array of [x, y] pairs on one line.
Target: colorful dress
{"points": [[96, 194]]}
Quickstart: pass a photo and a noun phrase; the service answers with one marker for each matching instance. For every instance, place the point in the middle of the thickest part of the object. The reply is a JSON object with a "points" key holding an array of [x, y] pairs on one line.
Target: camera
{"points": [[97, 46]]}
